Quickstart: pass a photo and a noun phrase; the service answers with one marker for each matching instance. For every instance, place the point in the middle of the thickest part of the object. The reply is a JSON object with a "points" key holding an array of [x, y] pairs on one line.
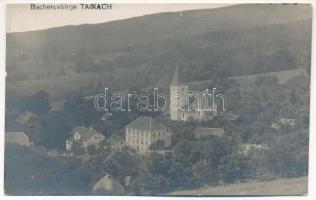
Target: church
{"points": [[192, 105]]}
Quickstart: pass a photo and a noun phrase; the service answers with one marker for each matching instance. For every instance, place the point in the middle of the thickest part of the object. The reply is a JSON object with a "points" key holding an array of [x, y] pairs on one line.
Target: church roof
{"points": [[177, 79], [146, 123]]}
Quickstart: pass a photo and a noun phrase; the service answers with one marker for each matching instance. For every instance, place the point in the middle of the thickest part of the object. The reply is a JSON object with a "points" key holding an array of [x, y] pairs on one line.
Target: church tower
{"points": [[178, 92]]}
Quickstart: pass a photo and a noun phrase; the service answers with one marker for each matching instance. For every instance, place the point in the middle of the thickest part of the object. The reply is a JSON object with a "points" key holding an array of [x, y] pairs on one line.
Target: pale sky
{"points": [[20, 17]]}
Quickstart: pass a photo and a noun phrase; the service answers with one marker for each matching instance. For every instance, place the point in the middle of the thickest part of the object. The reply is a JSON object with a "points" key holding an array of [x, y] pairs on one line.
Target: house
{"points": [[287, 122], [19, 138], [276, 126], [247, 148], [26, 118], [204, 132], [106, 116], [228, 116], [87, 98], [145, 131], [283, 122], [197, 109], [85, 137], [110, 185], [116, 143]]}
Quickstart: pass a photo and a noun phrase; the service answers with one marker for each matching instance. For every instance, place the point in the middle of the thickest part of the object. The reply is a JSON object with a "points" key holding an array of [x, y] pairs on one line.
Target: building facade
{"points": [[145, 131]]}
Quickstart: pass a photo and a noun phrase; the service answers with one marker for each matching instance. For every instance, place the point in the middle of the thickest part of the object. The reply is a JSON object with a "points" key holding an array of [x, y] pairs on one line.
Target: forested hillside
{"points": [[205, 43]]}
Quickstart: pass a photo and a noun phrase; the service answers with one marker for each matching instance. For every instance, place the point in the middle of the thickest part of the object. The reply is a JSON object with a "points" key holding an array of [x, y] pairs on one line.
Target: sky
{"points": [[21, 18]]}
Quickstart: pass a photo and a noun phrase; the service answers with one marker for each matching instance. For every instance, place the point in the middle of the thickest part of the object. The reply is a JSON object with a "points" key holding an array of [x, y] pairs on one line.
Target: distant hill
{"points": [[143, 51], [115, 35]]}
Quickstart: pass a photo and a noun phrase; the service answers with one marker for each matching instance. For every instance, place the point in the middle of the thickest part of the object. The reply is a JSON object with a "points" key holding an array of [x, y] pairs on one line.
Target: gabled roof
{"points": [[245, 148], [106, 116], [17, 138], [200, 132], [146, 123], [86, 133], [26, 117], [287, 121], [109, 184]]}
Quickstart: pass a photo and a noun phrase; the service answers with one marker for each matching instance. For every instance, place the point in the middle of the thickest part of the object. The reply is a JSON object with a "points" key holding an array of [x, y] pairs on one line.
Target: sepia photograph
{"points": [[192, 100]]}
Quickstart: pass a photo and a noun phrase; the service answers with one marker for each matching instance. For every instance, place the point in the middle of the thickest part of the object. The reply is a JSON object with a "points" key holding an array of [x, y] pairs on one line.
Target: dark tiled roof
{"points": [[26, 117], [146, 123]]}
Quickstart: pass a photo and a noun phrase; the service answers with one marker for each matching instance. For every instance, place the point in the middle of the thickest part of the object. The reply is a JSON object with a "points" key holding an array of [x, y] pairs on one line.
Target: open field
{"points": [[292, 186], [72, 82], [56, 85], [282, 76]]}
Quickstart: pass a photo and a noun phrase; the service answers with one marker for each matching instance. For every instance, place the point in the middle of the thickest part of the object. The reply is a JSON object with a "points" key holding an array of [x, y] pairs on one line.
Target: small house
{"points": [[109, 185], [19, 138], [84, 137]]}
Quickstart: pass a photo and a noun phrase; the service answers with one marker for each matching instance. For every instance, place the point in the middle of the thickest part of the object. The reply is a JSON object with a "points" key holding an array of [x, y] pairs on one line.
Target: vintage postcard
{"points": [[157, 99]]}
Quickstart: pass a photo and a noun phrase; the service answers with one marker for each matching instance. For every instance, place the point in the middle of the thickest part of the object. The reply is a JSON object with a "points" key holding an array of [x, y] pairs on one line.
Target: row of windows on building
{"points": [[97, 137], [142, 148], [145, 133], [135, 140]]}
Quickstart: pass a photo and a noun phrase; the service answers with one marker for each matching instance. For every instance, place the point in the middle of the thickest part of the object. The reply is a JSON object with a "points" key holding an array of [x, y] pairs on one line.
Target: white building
{"points": [[145, 131]]}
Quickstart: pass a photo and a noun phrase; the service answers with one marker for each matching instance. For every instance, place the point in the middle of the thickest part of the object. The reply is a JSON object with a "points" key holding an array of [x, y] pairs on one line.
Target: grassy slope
{"points": [[293, 186], [70, 82], [282, 76]]}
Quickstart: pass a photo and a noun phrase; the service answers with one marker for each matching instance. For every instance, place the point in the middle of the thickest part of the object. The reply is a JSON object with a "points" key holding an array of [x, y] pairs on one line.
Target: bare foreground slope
{"points": [[292, 186]]}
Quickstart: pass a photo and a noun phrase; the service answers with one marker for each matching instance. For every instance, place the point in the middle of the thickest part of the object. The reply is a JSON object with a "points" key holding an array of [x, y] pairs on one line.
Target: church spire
{"points": [[176, 77]]}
